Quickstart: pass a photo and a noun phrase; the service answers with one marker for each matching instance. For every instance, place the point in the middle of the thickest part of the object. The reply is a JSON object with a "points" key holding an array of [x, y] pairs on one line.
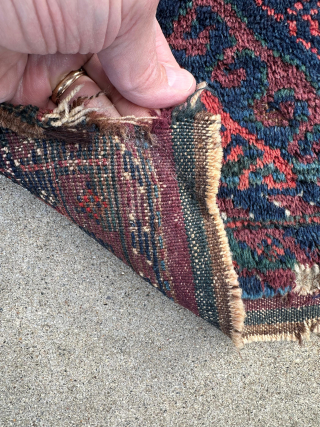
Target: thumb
{"points": [[139, 62]]}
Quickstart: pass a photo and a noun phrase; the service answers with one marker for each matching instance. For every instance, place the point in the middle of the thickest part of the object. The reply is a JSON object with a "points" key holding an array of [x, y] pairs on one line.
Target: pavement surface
{"points": [[84, 341]]}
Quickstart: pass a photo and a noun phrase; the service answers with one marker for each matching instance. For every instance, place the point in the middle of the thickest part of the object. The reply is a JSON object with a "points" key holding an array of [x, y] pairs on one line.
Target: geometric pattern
{"points": [[261, 58], [145, 190], [216, 203]]}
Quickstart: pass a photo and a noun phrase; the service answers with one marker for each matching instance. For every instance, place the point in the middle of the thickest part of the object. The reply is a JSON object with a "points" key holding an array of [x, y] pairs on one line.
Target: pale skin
{"points": [[118, 42]]}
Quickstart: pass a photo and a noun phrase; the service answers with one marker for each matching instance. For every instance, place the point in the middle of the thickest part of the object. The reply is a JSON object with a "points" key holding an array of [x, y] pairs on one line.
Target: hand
{"points": [[118, 42]]}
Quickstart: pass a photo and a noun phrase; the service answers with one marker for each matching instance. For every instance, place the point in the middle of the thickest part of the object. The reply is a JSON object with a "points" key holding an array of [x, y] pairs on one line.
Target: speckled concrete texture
{"points": [[84, 341]]}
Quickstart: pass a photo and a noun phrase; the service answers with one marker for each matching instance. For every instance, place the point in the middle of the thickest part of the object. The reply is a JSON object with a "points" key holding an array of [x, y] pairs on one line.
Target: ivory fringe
{"points": [[66, 115]]}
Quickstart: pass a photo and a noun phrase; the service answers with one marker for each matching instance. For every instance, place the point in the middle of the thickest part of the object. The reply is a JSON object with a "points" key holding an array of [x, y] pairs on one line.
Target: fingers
{"points": [[142, 72], [111, 103], [140, 65], [90, 88], [43, 73], [12, 65], [125, 108], [47, 27]]}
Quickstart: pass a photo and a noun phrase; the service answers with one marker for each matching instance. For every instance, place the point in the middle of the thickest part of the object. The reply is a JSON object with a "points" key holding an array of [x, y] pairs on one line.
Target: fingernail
{"points": [[179, 79]]}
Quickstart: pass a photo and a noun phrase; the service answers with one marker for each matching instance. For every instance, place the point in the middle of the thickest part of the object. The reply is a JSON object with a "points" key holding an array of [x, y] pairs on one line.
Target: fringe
{"points": [[70, 120], [67, 114]]}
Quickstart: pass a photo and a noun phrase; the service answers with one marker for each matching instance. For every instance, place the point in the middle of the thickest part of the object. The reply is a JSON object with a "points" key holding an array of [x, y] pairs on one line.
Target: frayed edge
{"points": [[72, 114], [197, 93], [214, 162], [10, 119], [67, 115]]}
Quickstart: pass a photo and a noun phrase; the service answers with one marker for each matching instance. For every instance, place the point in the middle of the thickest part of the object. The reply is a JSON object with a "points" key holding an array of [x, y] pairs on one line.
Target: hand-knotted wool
{"points": [[261, 60], [216, 202]]}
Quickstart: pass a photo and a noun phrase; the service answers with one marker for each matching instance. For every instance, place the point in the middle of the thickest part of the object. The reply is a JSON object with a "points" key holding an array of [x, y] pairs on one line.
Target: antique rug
{"points": [[216, 203]]}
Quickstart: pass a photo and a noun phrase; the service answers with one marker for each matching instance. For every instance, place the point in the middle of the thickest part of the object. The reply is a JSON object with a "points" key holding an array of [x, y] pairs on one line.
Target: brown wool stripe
{"points": [[291, 331]]}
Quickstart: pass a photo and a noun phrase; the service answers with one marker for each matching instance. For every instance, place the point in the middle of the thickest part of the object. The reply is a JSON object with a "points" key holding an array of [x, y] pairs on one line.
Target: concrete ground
{"points": [[84, 341]]}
